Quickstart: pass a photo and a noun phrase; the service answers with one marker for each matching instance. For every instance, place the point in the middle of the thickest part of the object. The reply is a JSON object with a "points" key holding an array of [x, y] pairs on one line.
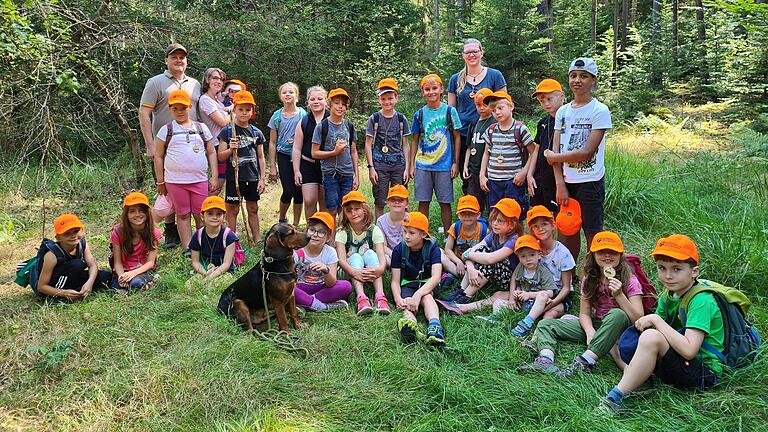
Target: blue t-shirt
{"points": [[465, 104], [492, 240], [410, 272], [212, 249], [435, 152]]}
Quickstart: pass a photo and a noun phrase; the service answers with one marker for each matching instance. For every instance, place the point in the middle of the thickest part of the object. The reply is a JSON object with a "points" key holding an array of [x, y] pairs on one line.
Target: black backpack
{"points": [[324, 131], [28, 271], [426, 266]]}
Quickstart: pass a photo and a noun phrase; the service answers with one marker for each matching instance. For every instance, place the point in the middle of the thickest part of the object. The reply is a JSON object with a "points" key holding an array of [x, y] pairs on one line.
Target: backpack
{"points": [[650, 295], [420, 121], [376, 118], [483, 230], [239, 258], [277, 114], [426, 251], [368, 239], [28, 271], [516, 130], [324, 131], [741, 339], [169, 133], [256, 133]]}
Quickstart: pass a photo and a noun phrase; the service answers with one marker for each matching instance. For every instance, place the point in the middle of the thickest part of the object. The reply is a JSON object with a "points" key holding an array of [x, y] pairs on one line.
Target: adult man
{"points": [[154, 112]]}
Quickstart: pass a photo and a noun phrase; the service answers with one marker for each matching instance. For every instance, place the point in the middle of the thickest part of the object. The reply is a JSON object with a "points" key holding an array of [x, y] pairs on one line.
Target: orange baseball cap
{"points": [[677, 246], [527, 241], [606, 240], [238, 82], [568, 220], [538, 211], [243, 97], [547, 85], [482, 94], [468, 203], [509, 208], [213, 202], [387, 85], [325, 218], [431, 76], [417, 220], [353, 196], [397, 191], [338, 92], [501, 94], [66, 222], [135, 198], [179, 97]]}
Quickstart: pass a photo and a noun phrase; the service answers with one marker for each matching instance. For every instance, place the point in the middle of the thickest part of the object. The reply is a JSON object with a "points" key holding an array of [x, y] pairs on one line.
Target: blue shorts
{"points": [[336, 185], [507, 189]]}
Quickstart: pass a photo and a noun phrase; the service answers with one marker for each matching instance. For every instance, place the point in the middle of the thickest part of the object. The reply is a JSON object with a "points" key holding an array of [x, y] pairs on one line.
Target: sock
{"points": [[616, 395], [434, 322], [549, 357], [528, 320], [318, 305], [588, 358]]}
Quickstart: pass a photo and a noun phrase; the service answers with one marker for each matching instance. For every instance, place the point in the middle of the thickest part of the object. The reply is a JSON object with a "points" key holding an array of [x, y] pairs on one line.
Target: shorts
{"points": [[249, 190], [187, 198], [473, 188], [426, 181], [407, 291], [388, 177], [545, 194], [677, 371], [591, 197], [336, 186], [507, 189], [310, 172]]}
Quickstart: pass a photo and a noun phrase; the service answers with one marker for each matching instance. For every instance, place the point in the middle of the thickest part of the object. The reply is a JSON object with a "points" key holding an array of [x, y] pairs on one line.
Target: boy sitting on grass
{"points": [[679, 359]]}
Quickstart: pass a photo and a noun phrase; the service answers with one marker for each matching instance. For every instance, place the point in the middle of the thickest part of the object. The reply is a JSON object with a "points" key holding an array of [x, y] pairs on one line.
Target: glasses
{"points": [[316, 233], [472, 53], [216, 78]]}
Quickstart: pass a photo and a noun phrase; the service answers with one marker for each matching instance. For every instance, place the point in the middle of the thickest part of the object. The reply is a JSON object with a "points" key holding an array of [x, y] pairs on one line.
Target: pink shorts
{"points": [[187, 198]]}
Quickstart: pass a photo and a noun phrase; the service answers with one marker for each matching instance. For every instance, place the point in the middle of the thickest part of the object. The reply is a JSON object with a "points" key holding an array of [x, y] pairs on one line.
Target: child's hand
{"points": [[272, 175], [217, 185], [318, 267], [590, 334], [614, 285], [411, 174], [561, 194], [519, 179], [125, 277], [514, 304], [646, 322], [484, 183], [262, 186], [341, 144], [465, 174], [454, 170], [413, 303], [355, 183], [474, 276], [518, 295], [297, 179], [531, 185], [71, 294], [232, 143], [460, 269], [86, 289], [400, 303], [357, 275], [161, 189], [373, 175], [547, 154]]}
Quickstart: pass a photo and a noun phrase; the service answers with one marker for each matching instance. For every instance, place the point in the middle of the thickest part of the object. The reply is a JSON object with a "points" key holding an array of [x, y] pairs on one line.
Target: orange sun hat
{"points": [[66, 222], [568, 220], [606, 240], [417, 220], [325, 218], [527, 241]]}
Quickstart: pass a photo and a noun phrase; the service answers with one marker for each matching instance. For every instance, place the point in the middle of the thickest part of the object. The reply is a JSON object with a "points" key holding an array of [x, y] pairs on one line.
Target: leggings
{"points": [[290, 190], [304, 292]]}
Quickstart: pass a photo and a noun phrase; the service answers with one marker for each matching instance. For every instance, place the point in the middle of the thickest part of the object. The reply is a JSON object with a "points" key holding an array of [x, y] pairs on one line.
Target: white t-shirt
{"points": [[305, 275], [575, 125], [558, 261], [206, 107], [185, 158]]}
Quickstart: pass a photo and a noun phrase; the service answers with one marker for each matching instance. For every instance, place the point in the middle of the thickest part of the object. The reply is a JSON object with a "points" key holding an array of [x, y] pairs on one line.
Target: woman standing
{"points": [[213, 113]]}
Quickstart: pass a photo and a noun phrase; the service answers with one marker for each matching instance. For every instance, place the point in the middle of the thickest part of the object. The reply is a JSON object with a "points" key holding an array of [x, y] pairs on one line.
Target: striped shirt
{"points": [[506, 156]]}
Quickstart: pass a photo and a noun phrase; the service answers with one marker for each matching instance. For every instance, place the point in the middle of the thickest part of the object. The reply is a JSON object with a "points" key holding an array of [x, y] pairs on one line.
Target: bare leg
{"points": [[297, 214], [283, 210], [650, 349], [445, 215], [539, 304], [424, 208], [555, 312], [310, 192], [379, 211], [430, 307], [231, 216], [184, 225], [448, 265], [252, 207]]}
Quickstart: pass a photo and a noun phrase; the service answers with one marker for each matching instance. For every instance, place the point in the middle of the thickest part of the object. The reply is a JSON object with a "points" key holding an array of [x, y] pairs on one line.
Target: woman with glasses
{"points": [[463, 86], [213, 113]]}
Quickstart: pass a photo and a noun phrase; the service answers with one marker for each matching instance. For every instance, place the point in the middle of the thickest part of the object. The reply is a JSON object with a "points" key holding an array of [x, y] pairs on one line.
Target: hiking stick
{"points": [[236, 167]]}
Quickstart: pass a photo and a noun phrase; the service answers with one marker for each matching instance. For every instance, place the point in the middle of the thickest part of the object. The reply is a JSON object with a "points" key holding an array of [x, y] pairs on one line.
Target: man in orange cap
{"points": [[541, 178]]}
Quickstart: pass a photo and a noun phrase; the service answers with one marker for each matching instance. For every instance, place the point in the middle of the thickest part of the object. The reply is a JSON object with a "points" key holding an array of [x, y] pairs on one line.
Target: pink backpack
{"points": [[650, 296], [239, 258]]}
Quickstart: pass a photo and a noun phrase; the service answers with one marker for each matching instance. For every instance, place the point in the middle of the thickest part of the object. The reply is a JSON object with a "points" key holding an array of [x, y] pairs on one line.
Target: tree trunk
{"points": [[655, 78], [675, 36], [623, 28], [436, 17], [702, 41], [594, 24], [460, 5], [545, 26], [615, 35], [451, 32]]}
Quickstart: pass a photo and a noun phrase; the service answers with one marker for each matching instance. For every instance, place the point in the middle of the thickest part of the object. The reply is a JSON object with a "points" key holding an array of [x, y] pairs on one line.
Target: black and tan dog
{"points": [[243, 300]]}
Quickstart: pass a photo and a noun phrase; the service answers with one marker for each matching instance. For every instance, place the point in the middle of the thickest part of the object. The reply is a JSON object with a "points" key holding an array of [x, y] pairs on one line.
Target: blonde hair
{"points": [[367, 220], [291, 85], [317, 88], [461, 80]]}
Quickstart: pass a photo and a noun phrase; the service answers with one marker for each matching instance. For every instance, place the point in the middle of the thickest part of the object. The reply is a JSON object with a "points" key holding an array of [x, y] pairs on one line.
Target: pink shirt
{"points": [[140, 252], [606, 302]]}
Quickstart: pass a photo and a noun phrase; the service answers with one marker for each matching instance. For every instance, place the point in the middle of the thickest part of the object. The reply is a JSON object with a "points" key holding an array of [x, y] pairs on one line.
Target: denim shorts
{"points": [[336, 185], [507, 189]]}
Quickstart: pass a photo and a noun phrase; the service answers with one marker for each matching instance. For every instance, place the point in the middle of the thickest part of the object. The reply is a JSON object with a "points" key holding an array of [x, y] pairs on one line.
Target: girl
{"points": [[391, 223], [306, 171], [493, 259], [282, 130], [610, 299], [183, 153], [360, 246], [134, 245], [317, 288], [213, 113], [463, 234], [213, 246]]}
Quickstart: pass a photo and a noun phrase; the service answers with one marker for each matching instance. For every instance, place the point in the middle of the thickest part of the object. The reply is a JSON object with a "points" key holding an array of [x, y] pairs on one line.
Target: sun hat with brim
{"points": [[236, 82], [677, 246], [179, 96], [497, 95], [135, 198], [397, 191], [387, 85], [606, 240], [353, 196], [175, 47], [547, 85], [325, 218], [527, 241], [509, 208], [213, 202], [417, 220], [66, 222], [537, 212], [568, 220], [468, 203]]}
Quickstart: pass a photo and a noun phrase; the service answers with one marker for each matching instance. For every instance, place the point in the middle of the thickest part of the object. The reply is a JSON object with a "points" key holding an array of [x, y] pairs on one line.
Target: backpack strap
{"points": [[401, 119], [224, 237], [348, 243], [300, 254], [457, 225], [276, 119], [682, 313], [351, 130], [491, 128], [483, 228], [304, 124], [168, 134], [323, 131]]}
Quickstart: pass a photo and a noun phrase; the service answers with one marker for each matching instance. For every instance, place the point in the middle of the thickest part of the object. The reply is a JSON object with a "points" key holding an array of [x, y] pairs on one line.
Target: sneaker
{"points": [[446, 282], [450, 306], [522, 329], [382, 306], [489, 319], [364, 306], [187, 253], [543, 365], [170, 242], [435, 337], [337, 305], [608, 407], [451, 296], [580, 365], [409, 331], [462, 298]]}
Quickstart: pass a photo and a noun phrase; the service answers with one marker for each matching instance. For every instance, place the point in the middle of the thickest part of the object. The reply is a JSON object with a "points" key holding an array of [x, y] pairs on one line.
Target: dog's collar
{"points": [[270, 260]]}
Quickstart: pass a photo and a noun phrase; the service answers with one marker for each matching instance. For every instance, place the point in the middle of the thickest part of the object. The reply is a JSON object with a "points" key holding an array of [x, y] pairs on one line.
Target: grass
{"points": [[165, 360]]}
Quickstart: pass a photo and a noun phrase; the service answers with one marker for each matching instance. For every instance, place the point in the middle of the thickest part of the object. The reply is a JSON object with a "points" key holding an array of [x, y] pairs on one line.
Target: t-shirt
{"points": [[327, 256], [186, 161], [342, 163], [212, 250], [545, 131], [248, 141], [477, 144], [156, 93], [506, 156], [393, 232], [207, 106], [575, 125], [558, 261], [390, 135], [492, 240], [465, 240], [414, 272], [465, 101], [435, 152], [140, 251], [605, 301], [286, 129], [540, 280], [377, 236], [702, 314]]}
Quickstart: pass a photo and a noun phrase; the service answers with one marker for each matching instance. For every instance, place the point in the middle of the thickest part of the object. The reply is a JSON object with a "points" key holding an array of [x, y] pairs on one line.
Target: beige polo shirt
{"points": [[156, 93]]}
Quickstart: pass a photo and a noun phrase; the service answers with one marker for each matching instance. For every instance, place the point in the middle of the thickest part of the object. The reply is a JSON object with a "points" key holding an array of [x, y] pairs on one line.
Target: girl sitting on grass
{"points": [[134, 244], [360, 246]]}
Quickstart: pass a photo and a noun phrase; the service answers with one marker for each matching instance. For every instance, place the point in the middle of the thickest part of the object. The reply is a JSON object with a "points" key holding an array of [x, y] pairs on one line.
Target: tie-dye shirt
{"points": [[435, 152]]}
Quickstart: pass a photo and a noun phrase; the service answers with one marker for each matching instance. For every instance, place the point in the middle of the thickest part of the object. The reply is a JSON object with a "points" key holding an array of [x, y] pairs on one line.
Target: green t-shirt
{"points": [[702, 314]]}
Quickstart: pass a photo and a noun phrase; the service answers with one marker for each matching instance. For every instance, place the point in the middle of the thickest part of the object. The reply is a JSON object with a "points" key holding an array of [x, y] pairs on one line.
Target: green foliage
{"points": [[52, 355]]}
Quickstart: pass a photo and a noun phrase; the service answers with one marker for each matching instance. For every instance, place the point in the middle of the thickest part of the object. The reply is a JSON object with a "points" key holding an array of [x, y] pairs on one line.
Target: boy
{"points": [[679, 359], [335, 143], [391, 223], [68, 269], [578, 151], [541, 177], [415, 273], [251, 164], [435, 148], [474, 156], [213, 246], [508, 154], [463, 234], [386, 144]]}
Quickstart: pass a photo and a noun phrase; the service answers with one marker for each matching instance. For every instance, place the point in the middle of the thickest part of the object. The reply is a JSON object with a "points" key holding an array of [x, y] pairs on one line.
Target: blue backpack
{"points": [[483, 232]]}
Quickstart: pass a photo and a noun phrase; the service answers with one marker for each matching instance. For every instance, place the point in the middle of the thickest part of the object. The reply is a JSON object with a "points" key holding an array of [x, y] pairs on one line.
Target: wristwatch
{"points": [[370, 166]]}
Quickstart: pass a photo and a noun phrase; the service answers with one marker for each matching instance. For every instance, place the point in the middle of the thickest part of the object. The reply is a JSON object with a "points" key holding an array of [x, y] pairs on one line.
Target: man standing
{"points": [[154, 111]]}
